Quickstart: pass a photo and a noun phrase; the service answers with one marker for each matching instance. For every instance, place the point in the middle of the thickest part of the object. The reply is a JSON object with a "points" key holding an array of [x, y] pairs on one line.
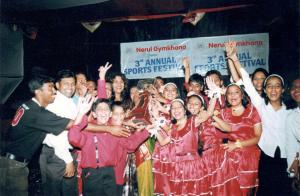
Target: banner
{"points": [[164, 58]]}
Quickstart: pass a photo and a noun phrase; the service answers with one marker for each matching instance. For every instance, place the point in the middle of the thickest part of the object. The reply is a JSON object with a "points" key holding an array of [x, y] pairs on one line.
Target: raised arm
{"points": [[231, 56], [187, 69], [256, 99], [101, 91], [75, 136]]}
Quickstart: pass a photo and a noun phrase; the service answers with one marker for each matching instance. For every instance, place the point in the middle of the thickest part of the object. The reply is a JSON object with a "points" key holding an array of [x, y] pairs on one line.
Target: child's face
{"points": [[177, 110], [117, 115], [274, 89], [195, 87], [216, 79], [194, 105], [258, 80], [170, 92], [102, 113]]}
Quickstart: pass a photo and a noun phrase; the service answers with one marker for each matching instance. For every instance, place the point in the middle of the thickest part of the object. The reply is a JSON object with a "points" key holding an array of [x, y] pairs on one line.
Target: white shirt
{"points": [[293, 135], [273, 122], [64, 107]]}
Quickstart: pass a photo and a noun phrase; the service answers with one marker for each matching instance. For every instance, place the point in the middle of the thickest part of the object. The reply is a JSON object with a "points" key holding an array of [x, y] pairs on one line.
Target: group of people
{"points": [[215, 140]]}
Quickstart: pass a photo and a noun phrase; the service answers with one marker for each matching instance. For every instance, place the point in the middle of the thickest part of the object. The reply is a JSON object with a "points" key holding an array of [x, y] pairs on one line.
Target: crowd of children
{"points": [[215, 140]]}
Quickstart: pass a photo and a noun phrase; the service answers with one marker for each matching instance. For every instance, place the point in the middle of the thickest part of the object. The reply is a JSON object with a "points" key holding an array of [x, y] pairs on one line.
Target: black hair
{"points": [[117, 104], [80, 72], [214, 72], [197, 78], [245, 98], [198, 97], [37, 81], [290, 103], [124, 92], [158, 78], [98, 101], [65, 73], [265, 72]]}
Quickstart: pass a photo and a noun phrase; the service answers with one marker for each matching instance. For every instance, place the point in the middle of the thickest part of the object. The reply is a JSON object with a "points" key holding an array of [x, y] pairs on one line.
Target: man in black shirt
{"points": [[28, 130]]}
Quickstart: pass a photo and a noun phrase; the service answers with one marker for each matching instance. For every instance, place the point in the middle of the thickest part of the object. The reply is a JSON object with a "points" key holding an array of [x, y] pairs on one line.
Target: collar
{"points": [[283, 107], [36, 101], [60, 95]]}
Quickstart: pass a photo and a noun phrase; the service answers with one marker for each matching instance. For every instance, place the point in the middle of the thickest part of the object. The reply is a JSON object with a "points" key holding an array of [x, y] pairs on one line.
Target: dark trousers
{"points": [[13, 177], [273, 176], [120, 190], [99, 181], [52, 172]]}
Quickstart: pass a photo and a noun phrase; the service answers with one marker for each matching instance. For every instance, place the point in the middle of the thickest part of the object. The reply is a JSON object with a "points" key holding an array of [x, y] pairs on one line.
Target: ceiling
{"points": [[66, 11]]}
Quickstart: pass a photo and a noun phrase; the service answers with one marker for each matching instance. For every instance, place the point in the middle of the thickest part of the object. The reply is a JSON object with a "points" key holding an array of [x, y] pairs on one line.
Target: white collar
{"points": [[283, 107], [59, 94], [36, 101]]}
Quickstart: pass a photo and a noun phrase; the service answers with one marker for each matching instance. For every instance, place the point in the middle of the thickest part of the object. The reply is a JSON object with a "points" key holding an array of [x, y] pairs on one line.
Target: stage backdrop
{"points": [[164, 57]]}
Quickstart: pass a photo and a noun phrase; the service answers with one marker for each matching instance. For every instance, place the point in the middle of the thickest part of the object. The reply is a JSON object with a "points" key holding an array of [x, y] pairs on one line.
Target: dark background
{"points": [[64, 43]]}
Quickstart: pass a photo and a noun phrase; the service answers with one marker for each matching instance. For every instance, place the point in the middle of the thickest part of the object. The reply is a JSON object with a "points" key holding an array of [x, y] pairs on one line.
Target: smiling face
{"points": [[258, 80], [194, 105], [274, 89], [118, 84], [295, 91], [195, 87], [66, 86], [170, 92], [46, 93], [177, 110], [102, 113], [117, 115], [234, 95]]}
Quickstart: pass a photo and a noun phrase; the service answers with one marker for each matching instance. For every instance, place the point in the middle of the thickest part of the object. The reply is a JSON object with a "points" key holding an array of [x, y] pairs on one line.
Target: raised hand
{"points": [[213, 89], [103, 69], [85, 103], [231, 49], [186, 62]]}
